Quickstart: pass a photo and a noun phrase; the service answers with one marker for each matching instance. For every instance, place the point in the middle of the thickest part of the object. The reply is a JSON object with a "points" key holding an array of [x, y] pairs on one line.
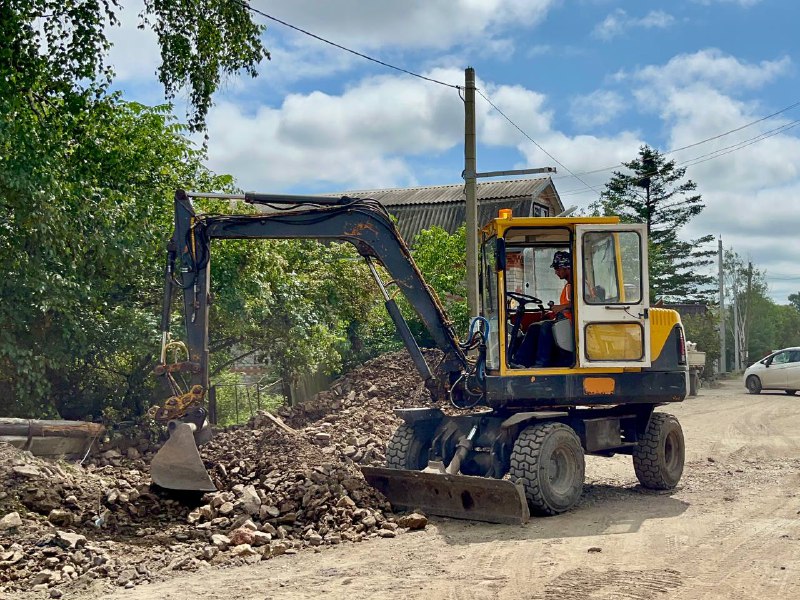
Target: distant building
{"points": [[688, 309], [421, 208]]}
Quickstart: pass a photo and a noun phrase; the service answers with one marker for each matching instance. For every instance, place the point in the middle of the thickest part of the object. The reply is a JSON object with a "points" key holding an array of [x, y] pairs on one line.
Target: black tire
{"points": [[548, 460], [660, 453], [791, 392], [753, 384], [406, 450]]}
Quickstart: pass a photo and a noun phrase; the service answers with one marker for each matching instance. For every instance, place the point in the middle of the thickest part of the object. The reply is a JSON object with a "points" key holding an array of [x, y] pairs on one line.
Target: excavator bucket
{"points": [[456, 496], [177, 466]]}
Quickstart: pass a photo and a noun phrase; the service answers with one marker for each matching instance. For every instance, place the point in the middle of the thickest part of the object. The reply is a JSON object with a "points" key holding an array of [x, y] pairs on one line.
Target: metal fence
{"points": [[238, 402]]}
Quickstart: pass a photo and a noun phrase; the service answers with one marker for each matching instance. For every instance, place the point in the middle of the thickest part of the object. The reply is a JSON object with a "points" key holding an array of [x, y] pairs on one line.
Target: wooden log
{"points": [[50, 428]]}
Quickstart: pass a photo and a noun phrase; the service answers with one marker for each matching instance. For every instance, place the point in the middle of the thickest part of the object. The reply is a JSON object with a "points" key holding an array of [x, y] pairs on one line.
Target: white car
{"points": [[778, 371]]}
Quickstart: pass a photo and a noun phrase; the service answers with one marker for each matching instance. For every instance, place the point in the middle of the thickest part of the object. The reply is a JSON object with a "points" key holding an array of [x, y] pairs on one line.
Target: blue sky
{"points": [[588, 80]]}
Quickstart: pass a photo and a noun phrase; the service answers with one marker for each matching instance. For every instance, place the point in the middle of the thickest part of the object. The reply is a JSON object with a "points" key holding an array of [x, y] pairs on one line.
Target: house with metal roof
{"points": [[421, 208]]}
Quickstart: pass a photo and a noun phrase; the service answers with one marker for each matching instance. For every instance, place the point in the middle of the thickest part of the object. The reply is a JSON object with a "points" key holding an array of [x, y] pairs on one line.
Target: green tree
{"points": [[794, 300], [746, 294], [86, 207], [703, 330], [289, 303], [441, 257], [56, 52], [655, 193]]}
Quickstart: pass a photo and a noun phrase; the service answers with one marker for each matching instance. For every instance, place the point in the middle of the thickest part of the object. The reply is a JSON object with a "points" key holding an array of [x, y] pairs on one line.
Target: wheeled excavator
{"points": [[517, 441]]}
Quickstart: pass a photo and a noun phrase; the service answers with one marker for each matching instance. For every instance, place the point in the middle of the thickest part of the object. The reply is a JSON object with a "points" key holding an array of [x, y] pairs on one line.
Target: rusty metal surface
{"points": [[435, 194], [178, 466], [456, 496]]}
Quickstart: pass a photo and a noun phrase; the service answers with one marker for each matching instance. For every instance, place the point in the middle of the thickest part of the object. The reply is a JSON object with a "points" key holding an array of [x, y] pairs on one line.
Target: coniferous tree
{"points": [[656, 193]]}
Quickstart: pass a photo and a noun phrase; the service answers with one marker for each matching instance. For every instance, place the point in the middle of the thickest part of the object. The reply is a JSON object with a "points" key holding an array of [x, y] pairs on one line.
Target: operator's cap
{"points": [[562, 259]]}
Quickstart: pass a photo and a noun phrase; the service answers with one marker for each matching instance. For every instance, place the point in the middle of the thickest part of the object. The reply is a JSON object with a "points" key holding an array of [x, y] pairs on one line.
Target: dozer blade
{"points": [[456, 496], [177, 466]]}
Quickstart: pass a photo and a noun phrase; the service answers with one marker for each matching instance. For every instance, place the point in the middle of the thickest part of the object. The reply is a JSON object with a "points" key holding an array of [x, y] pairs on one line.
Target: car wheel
{"points": [[791, 392], [753, 384]]}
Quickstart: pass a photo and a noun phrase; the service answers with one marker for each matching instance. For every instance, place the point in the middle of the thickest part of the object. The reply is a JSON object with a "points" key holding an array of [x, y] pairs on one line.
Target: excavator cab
{"points": [[606, 324], [516, 443]]}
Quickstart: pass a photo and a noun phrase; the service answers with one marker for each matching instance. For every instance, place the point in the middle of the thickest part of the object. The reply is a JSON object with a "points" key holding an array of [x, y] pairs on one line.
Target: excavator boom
{"points": [[366, 225]]}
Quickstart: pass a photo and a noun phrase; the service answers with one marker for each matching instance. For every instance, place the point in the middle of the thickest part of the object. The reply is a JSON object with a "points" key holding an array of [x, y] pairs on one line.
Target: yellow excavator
{"points": [[565, 359]]}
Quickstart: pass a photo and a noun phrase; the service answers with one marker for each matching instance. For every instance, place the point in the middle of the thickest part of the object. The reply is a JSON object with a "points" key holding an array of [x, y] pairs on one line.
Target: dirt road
{"points": [[731, 530]]}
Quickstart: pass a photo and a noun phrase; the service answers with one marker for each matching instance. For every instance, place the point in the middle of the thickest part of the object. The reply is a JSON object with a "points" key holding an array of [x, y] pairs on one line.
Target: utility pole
{"points": [[737, 359], [471, 189], [722, 358], [746, 321]]}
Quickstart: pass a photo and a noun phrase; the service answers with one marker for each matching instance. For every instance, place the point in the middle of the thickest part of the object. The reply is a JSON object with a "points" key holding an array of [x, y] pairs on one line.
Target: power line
{"points": [[690, 162], [535, 143], [734, 147], [335, 45], [783, 110], [692, 145]]}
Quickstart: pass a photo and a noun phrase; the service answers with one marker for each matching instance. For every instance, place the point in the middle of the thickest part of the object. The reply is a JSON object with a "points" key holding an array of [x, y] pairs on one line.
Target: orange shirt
{"points": [[566, 298]]}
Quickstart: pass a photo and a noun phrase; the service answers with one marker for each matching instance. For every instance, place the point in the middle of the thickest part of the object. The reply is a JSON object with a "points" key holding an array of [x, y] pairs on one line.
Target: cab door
{"points": [[612, 296]]}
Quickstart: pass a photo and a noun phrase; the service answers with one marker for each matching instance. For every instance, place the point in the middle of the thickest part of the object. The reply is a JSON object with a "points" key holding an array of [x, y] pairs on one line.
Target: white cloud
{"points": [[353, 140], [384, 25], [713, 67], [524, 107], [135, 54], [596, 108], [749, 185], [364, 137], [617, 22], [387, 23]]}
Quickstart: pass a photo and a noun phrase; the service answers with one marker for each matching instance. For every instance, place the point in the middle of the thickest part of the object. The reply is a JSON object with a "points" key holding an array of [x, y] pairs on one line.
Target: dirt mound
{"points": [[285, 482]]}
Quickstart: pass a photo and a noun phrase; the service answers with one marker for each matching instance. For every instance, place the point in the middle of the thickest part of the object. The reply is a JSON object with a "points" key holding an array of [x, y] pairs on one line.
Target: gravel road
{"points": [[730, 530]]}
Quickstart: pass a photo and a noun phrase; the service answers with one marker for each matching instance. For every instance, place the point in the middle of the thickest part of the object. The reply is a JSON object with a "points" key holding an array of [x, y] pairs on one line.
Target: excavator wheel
{"points": [[406, 450], [659, 454], [548, 460]]}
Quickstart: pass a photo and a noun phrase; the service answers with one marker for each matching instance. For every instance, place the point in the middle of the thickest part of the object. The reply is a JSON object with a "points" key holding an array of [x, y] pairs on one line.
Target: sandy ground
{"points": [[730, 530]]}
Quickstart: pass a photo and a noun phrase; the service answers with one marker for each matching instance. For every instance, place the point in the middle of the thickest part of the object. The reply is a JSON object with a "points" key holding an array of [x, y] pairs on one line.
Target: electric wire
{"points": [[340, 47], [534, 142], [698, 143], [690, 162], [587, 186], [740, 145]]}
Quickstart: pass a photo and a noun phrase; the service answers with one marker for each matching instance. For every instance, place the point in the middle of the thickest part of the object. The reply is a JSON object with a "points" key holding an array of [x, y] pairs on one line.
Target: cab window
{"points": [[489, 299], [612, 267], [529, 256]]}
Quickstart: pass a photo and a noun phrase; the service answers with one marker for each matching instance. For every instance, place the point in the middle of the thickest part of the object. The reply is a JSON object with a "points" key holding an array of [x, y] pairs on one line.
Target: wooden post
{"points": [[470, 186]]}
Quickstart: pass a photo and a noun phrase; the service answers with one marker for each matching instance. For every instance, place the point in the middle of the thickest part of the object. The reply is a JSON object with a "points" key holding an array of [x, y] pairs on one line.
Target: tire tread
{"points": [[525, 463]]}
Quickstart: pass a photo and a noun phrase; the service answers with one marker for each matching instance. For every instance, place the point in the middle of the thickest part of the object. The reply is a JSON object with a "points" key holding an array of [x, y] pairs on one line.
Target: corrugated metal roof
{"points": [[413, 218], [440, 194]]}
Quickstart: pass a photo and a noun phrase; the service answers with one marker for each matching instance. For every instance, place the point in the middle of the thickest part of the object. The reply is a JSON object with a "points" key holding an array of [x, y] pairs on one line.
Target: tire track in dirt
{"points": [[613, 584]]}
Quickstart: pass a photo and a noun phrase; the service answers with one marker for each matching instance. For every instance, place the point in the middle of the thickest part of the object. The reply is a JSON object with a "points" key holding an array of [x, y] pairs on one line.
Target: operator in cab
{"points": [[538, 348]]}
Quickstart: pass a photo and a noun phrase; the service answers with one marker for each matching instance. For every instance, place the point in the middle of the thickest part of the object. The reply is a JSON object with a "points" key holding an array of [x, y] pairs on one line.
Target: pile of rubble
{"points": [[285, 482]]}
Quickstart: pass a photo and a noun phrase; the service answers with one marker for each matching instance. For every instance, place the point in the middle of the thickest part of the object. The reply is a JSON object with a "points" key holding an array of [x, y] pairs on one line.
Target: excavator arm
{"points": [[361, 222]]}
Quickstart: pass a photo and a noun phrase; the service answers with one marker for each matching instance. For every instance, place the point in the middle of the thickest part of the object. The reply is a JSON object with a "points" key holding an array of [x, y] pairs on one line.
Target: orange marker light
{"points": [[504, 213]]}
